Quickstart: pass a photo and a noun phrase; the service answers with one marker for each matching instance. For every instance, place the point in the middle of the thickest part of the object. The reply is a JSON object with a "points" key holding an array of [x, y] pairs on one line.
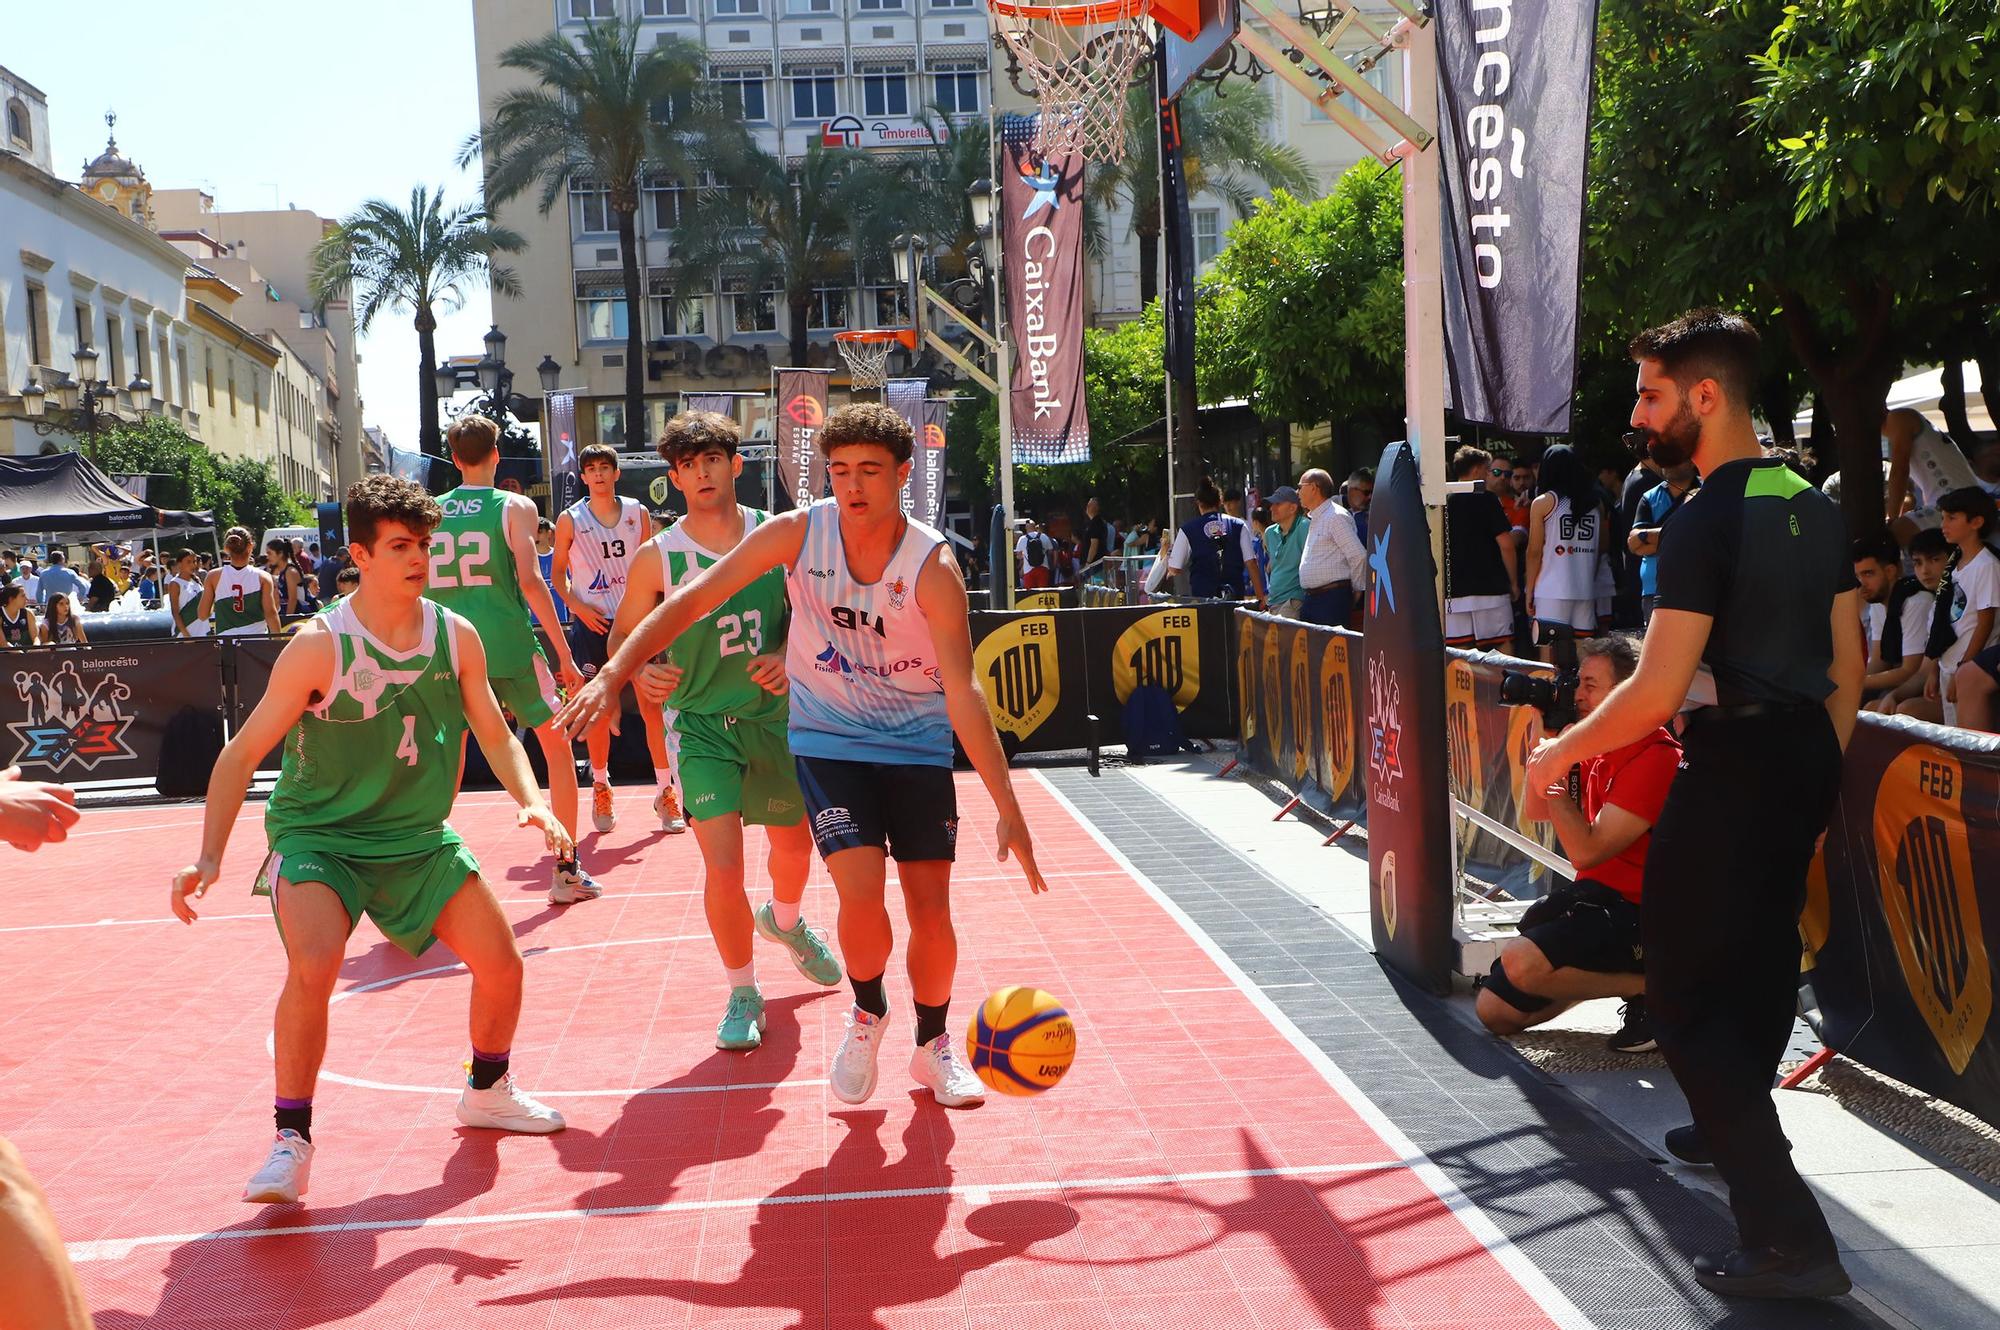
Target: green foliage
{"points": [[1303, 312], [238, 491]]}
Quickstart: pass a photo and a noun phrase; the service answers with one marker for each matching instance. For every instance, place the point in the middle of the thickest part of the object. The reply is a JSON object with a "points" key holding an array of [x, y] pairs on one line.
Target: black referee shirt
{"points": [[1763, 553]]}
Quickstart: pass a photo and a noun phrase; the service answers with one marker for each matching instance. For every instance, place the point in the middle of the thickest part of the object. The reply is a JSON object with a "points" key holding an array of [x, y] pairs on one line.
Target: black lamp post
{"points": [[494, 379], [82, 401]]}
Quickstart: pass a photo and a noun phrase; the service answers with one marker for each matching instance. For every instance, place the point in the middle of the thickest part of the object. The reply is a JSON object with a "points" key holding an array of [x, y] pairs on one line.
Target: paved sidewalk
{"points": [[1920, 1237]]}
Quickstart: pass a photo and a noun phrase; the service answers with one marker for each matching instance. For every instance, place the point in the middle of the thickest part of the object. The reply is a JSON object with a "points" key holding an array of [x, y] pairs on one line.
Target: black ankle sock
{"points": [[486, 1071], [298, 1119], [868, 995], [932, 1021]]}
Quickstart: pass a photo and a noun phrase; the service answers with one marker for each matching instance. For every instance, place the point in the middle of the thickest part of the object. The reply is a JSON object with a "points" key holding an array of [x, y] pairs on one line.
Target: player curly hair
{"points": [[472, 439], [693, 433], [866, 422], [378, 499]]}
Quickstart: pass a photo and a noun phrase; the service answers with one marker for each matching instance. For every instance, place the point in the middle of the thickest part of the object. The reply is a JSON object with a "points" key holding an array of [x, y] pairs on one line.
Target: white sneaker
{"points": [[937, 1068], [285, 1174], [504, 1107], [853, 1073], [572, 885], [667, 806], [601, 815]]}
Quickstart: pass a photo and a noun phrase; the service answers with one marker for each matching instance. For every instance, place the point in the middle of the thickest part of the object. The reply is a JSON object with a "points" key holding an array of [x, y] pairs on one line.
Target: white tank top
{"points": [[180, 591], [601, 556], [236, 579], [865, 682], [1937, 468], [1570, 549]]}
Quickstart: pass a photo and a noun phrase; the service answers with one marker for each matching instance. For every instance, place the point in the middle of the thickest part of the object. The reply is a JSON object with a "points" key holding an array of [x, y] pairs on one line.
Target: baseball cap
{"points": [[1284, 494]]}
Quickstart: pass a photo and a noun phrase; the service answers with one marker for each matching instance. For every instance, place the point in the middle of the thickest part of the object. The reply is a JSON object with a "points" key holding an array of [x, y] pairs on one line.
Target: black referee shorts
{"points": [[910, 811]]}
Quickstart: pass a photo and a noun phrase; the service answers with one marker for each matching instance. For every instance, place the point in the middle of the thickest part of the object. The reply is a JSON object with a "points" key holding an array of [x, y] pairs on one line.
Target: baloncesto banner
{"points": [[801, 412], [1514, 131], [1041, 241]]}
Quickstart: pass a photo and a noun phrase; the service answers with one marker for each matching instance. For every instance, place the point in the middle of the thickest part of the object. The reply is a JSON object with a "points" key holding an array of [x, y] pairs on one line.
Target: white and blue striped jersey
{"points": [[865, 681], [601, 556]]}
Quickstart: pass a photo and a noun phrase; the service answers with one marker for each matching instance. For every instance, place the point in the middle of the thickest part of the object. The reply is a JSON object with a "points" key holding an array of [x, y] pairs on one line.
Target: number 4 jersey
{"points": [[714, 654], [371, 768], [473, 575]]}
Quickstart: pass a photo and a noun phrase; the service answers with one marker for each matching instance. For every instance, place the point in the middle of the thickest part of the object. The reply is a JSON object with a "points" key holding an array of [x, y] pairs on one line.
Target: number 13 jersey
{"points": [[371, 768], [864, 676], [600, 556], [714, 654]]}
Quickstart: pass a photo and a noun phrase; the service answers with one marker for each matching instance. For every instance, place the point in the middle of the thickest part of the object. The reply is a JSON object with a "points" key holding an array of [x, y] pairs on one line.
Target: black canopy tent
{"points": [[64, 494]]}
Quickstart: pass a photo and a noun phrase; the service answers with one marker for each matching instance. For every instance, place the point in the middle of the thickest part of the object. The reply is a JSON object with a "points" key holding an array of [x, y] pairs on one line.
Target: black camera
{"points": [[1554, 698]]}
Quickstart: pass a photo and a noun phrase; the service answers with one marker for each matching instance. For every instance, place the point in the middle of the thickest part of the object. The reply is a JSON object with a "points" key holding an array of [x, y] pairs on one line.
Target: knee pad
{"points": [[1503, 988]]}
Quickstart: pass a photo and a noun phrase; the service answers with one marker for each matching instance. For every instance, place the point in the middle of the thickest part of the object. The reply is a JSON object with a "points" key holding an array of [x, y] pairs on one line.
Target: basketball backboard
{"points": [[1185, 58]]}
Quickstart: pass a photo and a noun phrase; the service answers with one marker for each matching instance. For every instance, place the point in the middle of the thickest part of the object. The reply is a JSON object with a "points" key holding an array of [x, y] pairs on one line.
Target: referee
{"points": [[1755, 588]]}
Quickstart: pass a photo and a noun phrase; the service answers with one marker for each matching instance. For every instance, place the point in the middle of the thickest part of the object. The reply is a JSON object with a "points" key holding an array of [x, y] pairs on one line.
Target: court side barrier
{"points": [[1896, 972]]}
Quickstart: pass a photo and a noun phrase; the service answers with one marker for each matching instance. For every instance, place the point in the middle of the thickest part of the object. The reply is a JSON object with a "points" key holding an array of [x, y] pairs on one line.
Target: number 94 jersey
{"points": [[714, 654]]}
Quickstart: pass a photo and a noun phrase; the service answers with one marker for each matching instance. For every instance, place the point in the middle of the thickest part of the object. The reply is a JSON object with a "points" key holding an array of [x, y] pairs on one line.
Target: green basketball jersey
{"points": [[373, 767], [472, 574], [714, 654]]}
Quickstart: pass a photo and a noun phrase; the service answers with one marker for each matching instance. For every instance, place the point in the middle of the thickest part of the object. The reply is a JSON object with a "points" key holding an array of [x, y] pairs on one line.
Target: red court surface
{"points": [[1198, 1167]]}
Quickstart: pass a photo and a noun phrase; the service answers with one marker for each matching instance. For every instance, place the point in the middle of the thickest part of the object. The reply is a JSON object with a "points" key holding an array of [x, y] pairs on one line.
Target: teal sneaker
{"points": [[807, 946], [743, 1023]]}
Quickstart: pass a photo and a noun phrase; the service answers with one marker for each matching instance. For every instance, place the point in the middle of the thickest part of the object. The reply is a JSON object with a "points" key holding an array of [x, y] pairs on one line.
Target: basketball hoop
{"points": [[1080, 58], [867, 353]]}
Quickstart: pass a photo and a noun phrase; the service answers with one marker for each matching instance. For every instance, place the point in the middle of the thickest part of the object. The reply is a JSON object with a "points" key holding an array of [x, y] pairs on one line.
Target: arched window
{"points": [[18, 127]]}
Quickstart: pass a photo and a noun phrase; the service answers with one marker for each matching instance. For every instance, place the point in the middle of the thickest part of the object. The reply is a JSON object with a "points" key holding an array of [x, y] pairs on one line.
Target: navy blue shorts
{"points": [[590, 649], [910, 811]]}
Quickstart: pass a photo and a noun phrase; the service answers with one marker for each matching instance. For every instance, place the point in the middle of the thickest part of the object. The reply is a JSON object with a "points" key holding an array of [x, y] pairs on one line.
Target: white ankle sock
{"points": [[743, 976], [600, 776], [786, 917]]}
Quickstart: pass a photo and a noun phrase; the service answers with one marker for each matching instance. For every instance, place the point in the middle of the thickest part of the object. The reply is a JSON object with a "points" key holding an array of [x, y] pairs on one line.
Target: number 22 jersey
{"points": [[473, 575]]}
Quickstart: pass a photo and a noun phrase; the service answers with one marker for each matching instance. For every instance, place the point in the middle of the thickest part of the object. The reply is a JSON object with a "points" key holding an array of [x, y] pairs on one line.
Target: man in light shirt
{"points": [[1335, 562]]}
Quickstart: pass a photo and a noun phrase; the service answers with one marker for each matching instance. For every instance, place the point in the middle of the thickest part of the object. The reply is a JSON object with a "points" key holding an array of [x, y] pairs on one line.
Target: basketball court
{"points": [[1202, 1164]]}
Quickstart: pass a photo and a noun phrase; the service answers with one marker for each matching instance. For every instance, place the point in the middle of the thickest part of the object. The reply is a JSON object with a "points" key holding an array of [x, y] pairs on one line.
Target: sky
{"points": [[269, 104]]}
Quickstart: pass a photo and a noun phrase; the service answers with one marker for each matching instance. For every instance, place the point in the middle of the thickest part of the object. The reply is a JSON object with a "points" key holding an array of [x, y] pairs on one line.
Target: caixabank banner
{"points": [[1899, 906]]}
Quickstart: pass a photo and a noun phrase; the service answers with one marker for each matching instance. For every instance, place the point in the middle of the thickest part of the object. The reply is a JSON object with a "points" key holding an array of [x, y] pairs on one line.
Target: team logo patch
{"points": [[1385, 733], [72, 719], [951, 832], [898, 590], [830, 661], [806, 410], [835, 824]]}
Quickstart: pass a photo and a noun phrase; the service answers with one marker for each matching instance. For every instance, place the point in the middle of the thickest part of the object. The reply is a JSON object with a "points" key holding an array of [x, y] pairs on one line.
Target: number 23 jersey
{"points": [[371, 768], [714, 654]]}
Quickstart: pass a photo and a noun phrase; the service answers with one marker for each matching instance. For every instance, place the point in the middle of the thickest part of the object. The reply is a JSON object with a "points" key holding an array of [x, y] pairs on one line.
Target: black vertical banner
{"points": [[801, 411], [1514, 131], [1409, 814], [1177, 292]]}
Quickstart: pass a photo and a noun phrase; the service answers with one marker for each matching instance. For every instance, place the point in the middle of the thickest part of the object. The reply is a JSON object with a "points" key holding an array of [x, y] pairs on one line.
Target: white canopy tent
{"points": [[1923, 392]]}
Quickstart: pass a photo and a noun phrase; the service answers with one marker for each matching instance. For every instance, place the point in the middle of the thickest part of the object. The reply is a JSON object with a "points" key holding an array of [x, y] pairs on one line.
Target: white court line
{"points": [[112, 1249], [1537, 1285], [1212, 988], [120, 923]]}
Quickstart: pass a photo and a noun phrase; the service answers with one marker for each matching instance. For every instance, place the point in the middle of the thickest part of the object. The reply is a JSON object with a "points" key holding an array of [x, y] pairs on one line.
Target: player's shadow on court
{"points": [[254, 1273], [383, 959], [873, 1261]]}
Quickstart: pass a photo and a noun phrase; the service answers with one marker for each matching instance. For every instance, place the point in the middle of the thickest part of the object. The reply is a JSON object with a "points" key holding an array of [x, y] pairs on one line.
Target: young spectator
{"points": [[60, 625], [1566, 534], [545, 554], [309, 595], [1284, 543], [1898, 626], [1966, 601], [344, 584], [17, 620], [10, 567], [1479, 585], [1656, 505], [1034, 550], [1584, 940], [285, 575]]}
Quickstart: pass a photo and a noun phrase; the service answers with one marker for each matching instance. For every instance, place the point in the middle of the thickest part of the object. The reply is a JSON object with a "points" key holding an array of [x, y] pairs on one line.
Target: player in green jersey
{"points": [[371, 703], [483, 566], [724, 680]]}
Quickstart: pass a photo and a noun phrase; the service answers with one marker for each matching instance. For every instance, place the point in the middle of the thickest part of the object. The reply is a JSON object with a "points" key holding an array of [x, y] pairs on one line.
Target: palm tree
{"points": [[604, 112], [413, 260], [796, 228], [1226, 149]]}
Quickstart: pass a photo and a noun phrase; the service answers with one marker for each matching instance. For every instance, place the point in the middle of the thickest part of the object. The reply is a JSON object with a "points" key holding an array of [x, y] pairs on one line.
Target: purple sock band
{"points": [[501, 1056], [282, 1102]]}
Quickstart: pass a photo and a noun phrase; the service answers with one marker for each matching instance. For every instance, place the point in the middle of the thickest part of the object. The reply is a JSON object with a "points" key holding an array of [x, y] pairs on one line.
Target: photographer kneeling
{"points": [[1581, 941]]}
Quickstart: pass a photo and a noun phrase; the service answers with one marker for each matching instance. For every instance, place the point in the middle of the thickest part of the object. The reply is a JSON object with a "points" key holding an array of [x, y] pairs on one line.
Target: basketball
{"points": [[1020, 1041]]}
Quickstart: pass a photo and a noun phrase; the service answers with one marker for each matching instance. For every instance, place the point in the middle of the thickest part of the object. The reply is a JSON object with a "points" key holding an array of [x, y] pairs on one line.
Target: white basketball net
{"points": [[867, 362], [1080, 75]]}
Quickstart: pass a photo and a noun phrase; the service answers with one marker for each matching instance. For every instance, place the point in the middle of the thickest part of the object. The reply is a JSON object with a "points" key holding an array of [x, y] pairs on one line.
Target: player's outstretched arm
{"points": [[304, 672], [497, 741], [941, 593], [773, 544], [519, 525]]}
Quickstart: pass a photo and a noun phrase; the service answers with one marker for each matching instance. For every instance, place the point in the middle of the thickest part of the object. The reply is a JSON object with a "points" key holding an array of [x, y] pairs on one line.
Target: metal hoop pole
{"points": [[1002, 560]]}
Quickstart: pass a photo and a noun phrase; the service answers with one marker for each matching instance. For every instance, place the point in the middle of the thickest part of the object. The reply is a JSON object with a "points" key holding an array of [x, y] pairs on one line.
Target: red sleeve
{"points": [[1640, 788]]}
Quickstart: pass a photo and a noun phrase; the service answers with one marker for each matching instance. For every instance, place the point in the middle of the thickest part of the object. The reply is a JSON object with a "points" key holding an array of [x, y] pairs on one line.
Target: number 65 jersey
{"points": [[866, 685], [714, 654]]}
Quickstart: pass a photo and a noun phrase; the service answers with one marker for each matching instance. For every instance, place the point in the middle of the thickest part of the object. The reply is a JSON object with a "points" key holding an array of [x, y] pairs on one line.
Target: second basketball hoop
{"points": [[866, 352], [1080, 59]]}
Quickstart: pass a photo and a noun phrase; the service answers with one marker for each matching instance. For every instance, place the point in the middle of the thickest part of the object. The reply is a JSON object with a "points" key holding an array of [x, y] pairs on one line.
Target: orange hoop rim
{"points": [[907, 336], [1074, 16]]}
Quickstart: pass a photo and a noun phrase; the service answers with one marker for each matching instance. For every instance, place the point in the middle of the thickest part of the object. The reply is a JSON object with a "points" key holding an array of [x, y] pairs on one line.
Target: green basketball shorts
{"points": [[532, 698], [738, 766], [403, 894]]}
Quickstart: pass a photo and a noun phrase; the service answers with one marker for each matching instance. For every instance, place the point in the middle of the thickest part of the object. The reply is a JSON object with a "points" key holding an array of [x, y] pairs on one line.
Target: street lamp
{"points": [[81, 401], [551, 374], [445, 381]]}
